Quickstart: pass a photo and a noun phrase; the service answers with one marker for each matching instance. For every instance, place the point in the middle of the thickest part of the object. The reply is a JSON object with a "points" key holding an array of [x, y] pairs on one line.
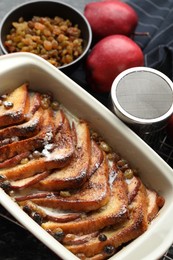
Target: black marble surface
{"points": [[16, 243]]}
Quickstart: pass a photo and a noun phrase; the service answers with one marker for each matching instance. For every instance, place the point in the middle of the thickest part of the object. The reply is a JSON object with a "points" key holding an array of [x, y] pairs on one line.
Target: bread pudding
{"points": [[67, 178]]}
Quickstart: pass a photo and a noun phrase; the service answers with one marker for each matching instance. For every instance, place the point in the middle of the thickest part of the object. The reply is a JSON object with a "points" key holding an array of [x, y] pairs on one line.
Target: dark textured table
{"points": [[16, 243]]}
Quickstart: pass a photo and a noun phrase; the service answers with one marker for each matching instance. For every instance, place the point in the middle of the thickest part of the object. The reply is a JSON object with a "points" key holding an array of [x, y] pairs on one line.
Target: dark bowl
{"points": [[50, 9]]}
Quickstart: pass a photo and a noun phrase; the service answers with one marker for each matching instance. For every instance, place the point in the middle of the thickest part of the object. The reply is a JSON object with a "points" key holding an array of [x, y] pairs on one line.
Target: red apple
{"points": [[109, 57], [110, 17]]}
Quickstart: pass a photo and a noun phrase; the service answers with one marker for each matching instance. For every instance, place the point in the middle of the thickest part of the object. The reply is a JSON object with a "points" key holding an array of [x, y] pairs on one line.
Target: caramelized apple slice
{"points": [[155, 202], [96, 158], [62, 217], [14, 160], [49, 214], [34, 104], [13, 109], [133, 188], [77, 240], [30, 181]]}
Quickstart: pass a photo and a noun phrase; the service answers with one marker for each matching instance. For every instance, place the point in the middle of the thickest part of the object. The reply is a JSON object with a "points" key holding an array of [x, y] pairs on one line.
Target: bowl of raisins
{"points": [[57, 32]]}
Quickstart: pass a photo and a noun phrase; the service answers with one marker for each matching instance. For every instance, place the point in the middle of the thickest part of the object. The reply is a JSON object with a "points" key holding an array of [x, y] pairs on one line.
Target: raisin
{"points": [[102, 237], [59, 235], [109, 249], [37, 218], [5, 185], [27, 209]]}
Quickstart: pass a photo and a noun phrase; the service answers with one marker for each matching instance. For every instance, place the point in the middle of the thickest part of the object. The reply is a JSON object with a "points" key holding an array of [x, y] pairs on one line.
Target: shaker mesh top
{"points": [[147, 97]]}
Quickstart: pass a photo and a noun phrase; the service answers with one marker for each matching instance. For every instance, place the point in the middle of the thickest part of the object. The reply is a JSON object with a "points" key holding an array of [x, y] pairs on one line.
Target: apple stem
{"points": [[141, 34]]}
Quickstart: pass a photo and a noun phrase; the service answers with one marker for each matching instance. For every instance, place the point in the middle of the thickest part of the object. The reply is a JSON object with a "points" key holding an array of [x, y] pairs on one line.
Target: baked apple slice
{"points": [[14, 160], [49, 214], [133, 188], [28, 182], [155, 202], [34, 100]]}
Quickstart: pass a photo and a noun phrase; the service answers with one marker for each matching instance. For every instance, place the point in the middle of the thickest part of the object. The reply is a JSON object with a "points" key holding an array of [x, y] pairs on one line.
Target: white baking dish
{"points": [[18, 68]]}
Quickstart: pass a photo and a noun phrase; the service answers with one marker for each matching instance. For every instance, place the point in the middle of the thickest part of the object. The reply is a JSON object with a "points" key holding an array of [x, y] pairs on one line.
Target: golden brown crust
{"points": [[94, 194], [75, 173], [61, 155], [16, 114], [32, 143], [115, 211], [125, 232], [25, 130]]}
